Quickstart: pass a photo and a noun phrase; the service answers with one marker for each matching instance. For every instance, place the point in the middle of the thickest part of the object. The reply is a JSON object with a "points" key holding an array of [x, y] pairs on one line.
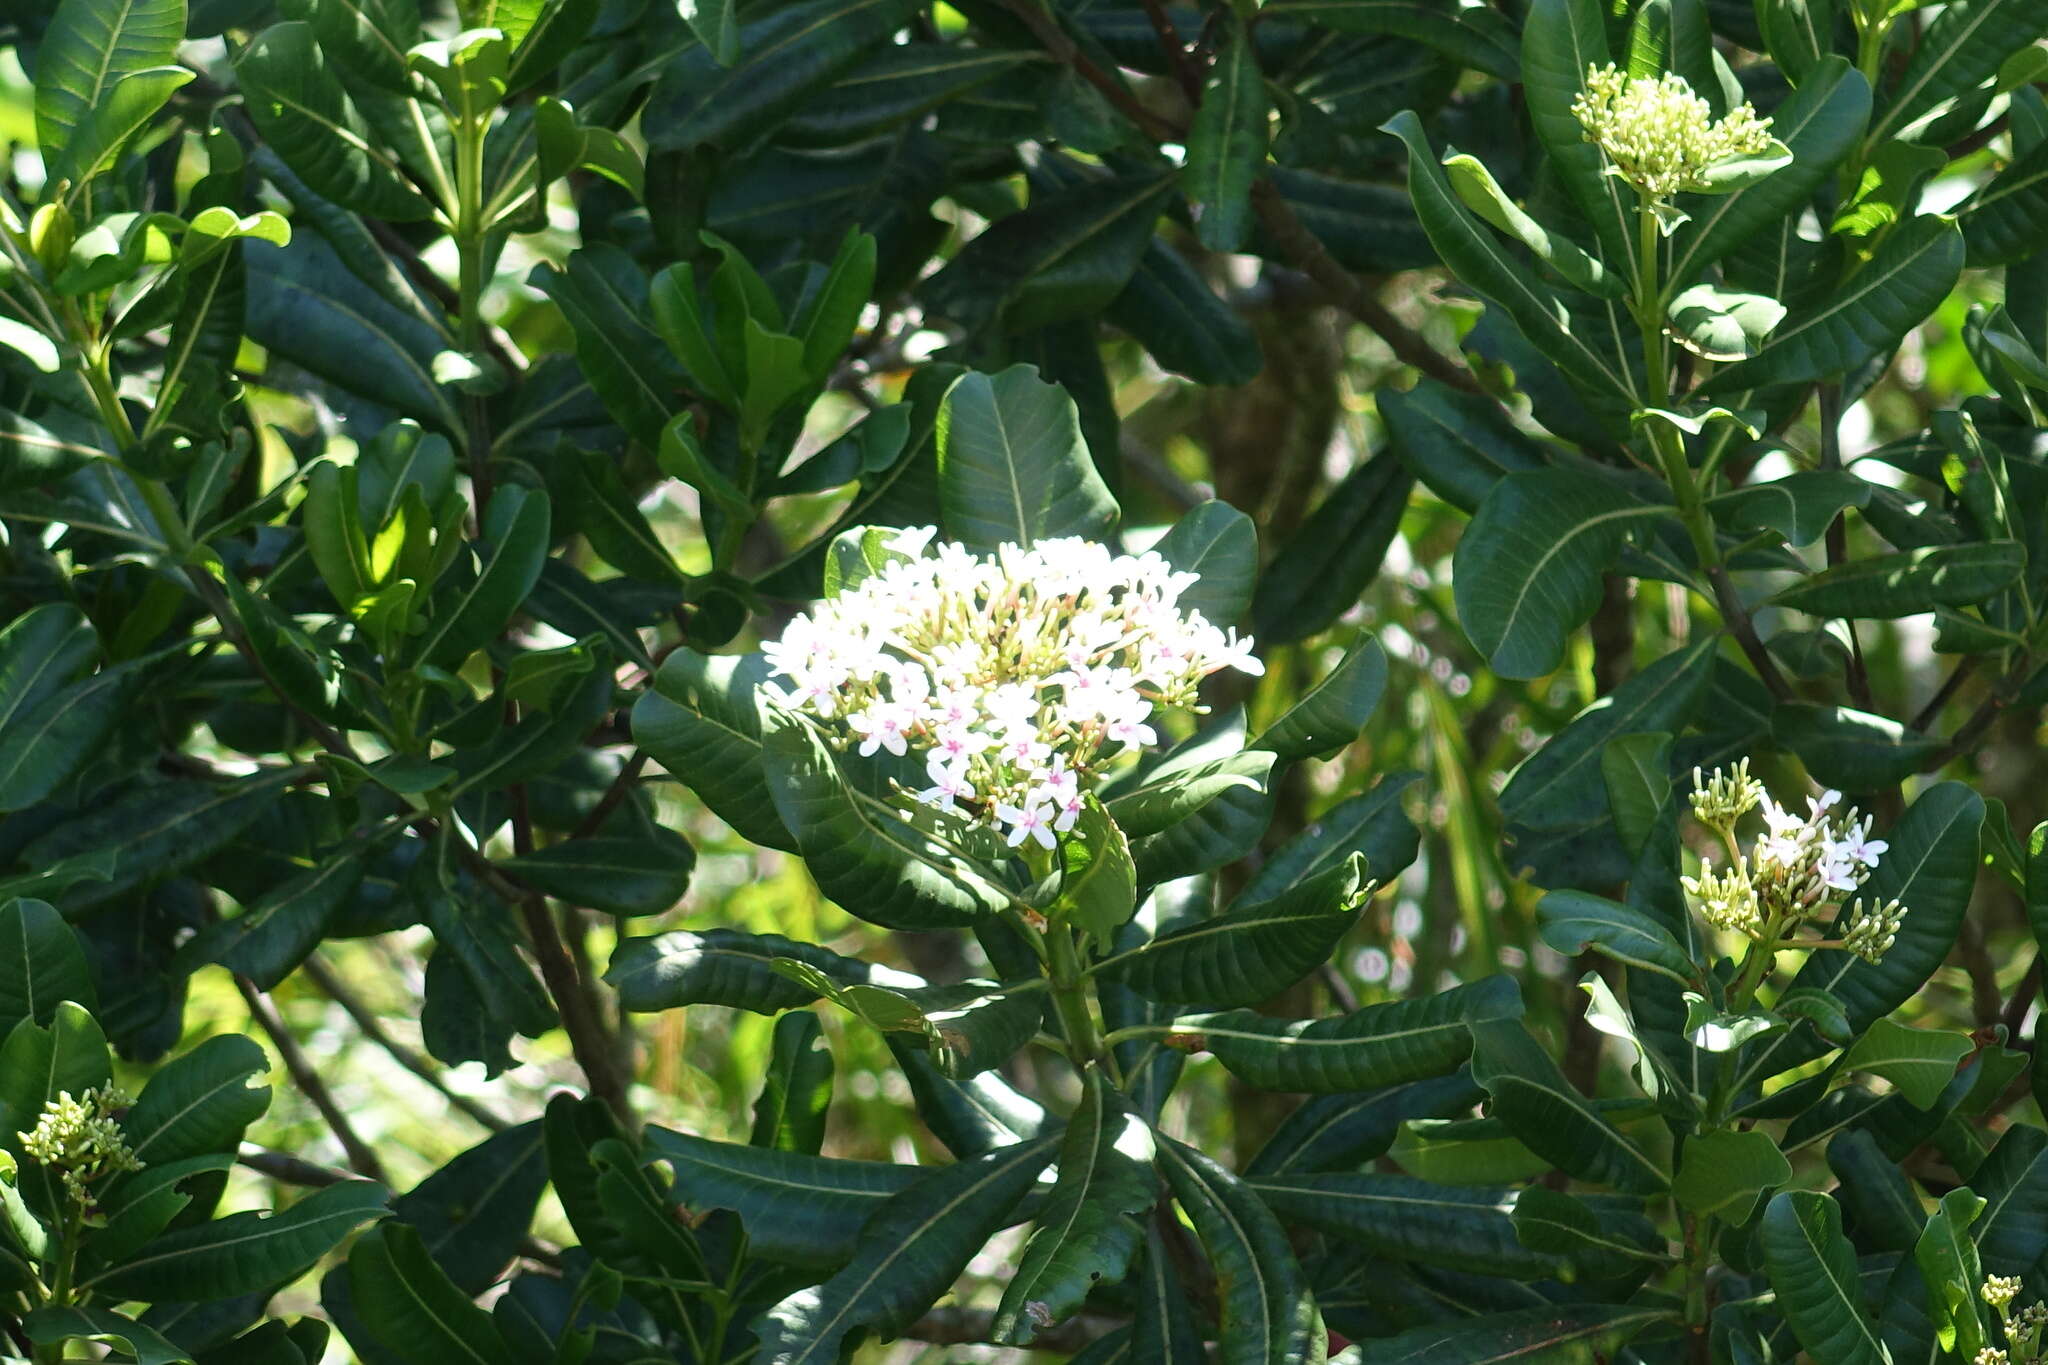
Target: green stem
{"points": [[1070, 996]]}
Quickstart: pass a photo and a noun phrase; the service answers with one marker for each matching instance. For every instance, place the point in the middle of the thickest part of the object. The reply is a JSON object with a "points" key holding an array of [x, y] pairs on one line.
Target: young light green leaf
{"points": [[1721, 1172], [1920, 1062], [1953, 1272]]}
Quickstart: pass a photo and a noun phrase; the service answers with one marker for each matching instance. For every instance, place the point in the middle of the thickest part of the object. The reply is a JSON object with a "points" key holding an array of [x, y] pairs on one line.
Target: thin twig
{"points": [[1946, 693], [1183, 63], [1972, 947], [263, 1010], [1830, 400], [1063, 49], [1340, 990], [373, 1028], [615, 795], [1735, 615]]}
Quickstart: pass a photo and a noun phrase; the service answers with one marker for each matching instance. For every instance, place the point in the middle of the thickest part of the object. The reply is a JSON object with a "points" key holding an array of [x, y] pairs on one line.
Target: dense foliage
{"points": [[1143, 681]]}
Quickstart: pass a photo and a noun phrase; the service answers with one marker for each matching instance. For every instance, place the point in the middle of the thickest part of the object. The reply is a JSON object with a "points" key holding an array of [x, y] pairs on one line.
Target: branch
{"points": [[1306, 253], [953, 1326], [373, 1028], [1063, 49], [614, 796], [264, 1011], [1735, 616]]}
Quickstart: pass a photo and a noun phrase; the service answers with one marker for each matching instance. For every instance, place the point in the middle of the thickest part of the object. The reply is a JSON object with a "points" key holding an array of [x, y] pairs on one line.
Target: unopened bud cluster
{"points": [[80, 1140], [1658, 134], [1794, 871], [2024, 1330], [1016, 677]]}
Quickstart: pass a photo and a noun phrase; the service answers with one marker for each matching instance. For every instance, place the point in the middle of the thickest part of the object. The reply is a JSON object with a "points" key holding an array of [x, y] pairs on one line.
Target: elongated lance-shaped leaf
{"points": [[1484, 196], [1961, 49], [1220, 543], [1912, 272], [41, 963], [53, 1326], [641, 874], [1403, 1040], [1556, 1332], [2013, 1233], [1322, 570], [797, 1090], [1458, 444], [1528, 568], [1812, 1267], [1539, 1106], [1373, 825], [1908, 582], [89, 49], [727, 967], [200, 1103], [1573, 921], [1343, 1132], [245, 1252], [1482, 260], [1268, 1312], [1013, 468], [473, 1213], [1227, 143], [799, 1208], [1459, 1227], [44, 647], [1333, 712], [909, 1253], [702, 721], [1560, 40], [1251, 953], [1090, 1227], [409, 1305], [469, 613], [1951, 1268]]}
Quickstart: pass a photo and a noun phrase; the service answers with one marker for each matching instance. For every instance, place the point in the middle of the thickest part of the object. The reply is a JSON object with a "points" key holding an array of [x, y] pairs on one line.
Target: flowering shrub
{"points": [[1022, 674]]}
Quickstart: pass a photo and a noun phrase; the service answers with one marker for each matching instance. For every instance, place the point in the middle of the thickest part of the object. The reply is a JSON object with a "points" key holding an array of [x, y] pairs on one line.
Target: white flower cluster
{"points": [[1659, 135], [1798, 867], [2023, 1330], [1017, 677], [81, 1140]]}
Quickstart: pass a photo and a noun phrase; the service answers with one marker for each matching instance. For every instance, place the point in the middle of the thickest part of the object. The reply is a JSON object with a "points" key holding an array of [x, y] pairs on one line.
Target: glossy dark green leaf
{"points": [[797, 1090], [909, 1252], [1252, 953], [201, 1103], [1183, 784], [604, 295], [1091, 1225], [472, 1214], [1344, 1131], [642, 875], [1851, 750], [1373, 825], [409, 1305], [1909, 581], [701, 721], [41, 963], [1013, 468], [1459, 445], [1539, 1106], [1268, 1312], [272, 936], [153, 832], [728, 967], [1460, 1227], [1800, 507], [471, 609], [52, 738], [1226, 143], [301, 105], [1948, 1263], [1960, 50], [1528, 568], [1220, 543], [1574, 921], [1721, 1172], [1176, 316], [1332, 713], [1378, 1045], [245, 1252], [1326, 565], [41, 452], [53, 1326], [1813, 1269], [90, 58], [1560, 1332], [39, 1063], [1475, 39]]}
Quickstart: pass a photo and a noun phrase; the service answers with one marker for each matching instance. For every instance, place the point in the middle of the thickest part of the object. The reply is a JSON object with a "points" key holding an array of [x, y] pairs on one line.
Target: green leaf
{"points": [[1098, 887], [1527, 570], [49, 741], [1343, 1132], [641, 874], [1539, 1106], [1953, 1273], [1961, 49], [716, 26], [244, 1253], [1913, 271], [53, 1326], [1013, 468], [1373, 825], [1268, 1312], [2000, 218], [1221, 544], [1181, 786], [1479, 258], [1326, 565], [409, 1305], [1636, 770], [473, 607], [1482, 194], [611, 520], [1378, 1045], [153, 832], [1852, 750], [1908, 582], [1573, 921], [1600, 1243], [910, 1252], [802, 1209], [201, 1103], [1721, 1172], [1812, 1267], [37, 1064], [302, 108], [1331, 715], [41, 963], [604, 295], [89, 51], [876, 859], [701, 720], [275, 933], [1800, 507], [1458, 444], [1251, 953], [1561, 39], [1877, 1197], [1173, 313], [1721, 324], [1226, 144], [1798, 34], [1558, 1333], [789, 53], [727, 967], [1091, 1224], [42, 452], [797, 1090], [1469, 37], [1459, 1227], [828, 321], [1919, 1062]]}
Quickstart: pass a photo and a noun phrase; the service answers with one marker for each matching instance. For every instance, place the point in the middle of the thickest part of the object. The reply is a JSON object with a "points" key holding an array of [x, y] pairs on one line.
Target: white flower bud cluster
{"points": [[81, 1140], [1017, 677], [2023, 1330], [1660, 136], [1797, 868]]}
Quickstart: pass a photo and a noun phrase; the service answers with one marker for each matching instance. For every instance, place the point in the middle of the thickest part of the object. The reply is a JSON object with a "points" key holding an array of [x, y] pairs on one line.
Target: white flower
{"points": [[1027, 822], [885, 725], [949, 783], [1856, 844]]}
